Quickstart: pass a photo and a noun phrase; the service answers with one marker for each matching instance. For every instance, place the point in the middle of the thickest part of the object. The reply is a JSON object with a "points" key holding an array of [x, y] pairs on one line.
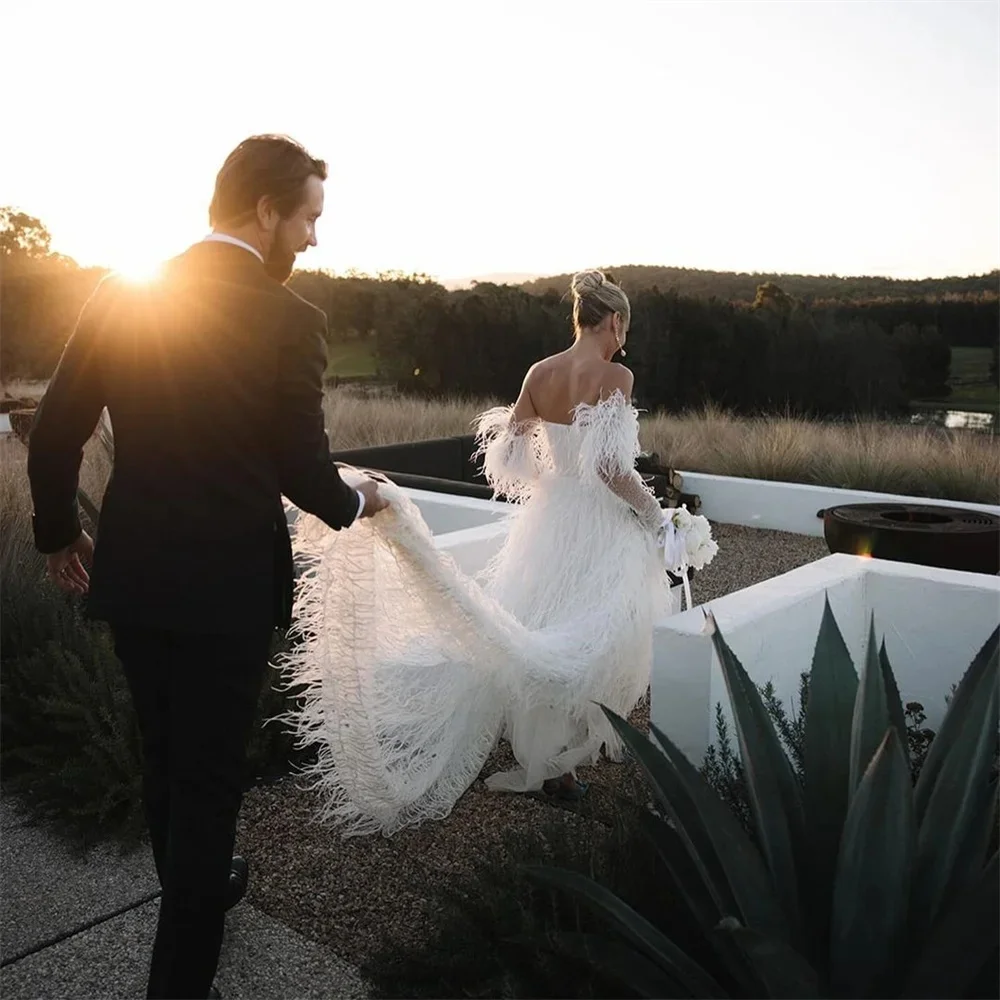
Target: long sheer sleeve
{"points": [[509, 452], [631, 488], [609, 450]]}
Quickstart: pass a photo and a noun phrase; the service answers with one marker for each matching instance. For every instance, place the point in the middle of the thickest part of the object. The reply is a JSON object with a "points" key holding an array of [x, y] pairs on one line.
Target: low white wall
{"points": [[756, 503], [473, 548], [790, 507], [445, 513], [933, 622]]}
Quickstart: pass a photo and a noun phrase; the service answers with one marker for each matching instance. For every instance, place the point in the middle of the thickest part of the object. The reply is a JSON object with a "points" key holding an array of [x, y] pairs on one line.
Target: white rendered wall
{"points": [[933, 621], [755, 503], [473, 548], [445, 513], [790, 507]]}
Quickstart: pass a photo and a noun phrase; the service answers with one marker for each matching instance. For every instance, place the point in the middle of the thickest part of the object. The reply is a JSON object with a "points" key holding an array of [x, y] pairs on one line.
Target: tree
{"points": [[770, 296], [23, 235], [41, 294], [926, 361]]}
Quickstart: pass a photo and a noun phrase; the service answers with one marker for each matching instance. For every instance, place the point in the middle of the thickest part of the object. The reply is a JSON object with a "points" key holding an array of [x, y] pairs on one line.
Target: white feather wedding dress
{"points": [[412, 670]]}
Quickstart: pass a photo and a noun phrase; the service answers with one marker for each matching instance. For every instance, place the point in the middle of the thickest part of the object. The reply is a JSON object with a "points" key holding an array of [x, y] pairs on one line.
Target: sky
{"points": [[528, 136]]}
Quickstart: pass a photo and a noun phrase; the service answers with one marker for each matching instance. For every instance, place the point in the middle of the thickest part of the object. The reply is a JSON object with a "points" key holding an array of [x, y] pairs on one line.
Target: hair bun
{"points": [[586, 281], [595, 296]]}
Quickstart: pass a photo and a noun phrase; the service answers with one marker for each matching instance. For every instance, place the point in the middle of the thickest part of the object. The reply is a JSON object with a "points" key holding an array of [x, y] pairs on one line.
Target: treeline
{"points": [[810, 289], [973, 321], [774, 350], [40, 300], [685, 351]]}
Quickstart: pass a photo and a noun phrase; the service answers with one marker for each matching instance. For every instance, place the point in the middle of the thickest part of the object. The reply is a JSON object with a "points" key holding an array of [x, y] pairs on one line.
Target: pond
{"points": [[969, 420]]}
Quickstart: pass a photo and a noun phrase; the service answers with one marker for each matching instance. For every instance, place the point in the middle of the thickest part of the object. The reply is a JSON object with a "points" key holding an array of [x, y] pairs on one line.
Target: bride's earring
{"points": [[620, 341]]}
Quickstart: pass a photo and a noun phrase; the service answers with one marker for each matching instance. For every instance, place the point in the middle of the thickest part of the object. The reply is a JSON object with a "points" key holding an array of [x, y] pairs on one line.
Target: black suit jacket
{"points": [[213, 380]]}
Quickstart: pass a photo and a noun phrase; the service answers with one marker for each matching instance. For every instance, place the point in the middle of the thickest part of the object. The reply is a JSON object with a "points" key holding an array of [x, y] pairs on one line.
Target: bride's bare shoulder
{"points": [[551, 362], [617, 378]]}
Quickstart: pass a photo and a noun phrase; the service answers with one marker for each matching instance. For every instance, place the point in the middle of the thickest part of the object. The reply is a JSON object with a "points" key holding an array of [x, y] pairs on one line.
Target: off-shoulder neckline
{"points": [[615, 399]]}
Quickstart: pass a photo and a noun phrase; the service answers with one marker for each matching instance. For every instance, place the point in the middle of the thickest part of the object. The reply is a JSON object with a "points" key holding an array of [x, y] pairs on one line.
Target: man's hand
{"points": [[66, 568], [374, 501]]}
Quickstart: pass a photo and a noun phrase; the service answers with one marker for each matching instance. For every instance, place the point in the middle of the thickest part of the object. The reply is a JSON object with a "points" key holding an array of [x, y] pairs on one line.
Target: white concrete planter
{"points": [[755, 503], [790, 507], [933, 621], [445, 513]]}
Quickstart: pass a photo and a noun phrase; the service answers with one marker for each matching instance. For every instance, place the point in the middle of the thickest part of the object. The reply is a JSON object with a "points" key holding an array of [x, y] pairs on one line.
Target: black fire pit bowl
{"points": [[948, 537]]}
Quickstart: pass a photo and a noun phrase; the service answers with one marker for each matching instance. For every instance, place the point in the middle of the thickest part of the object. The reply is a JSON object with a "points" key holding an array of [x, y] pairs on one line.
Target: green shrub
{"points": [[71, 748], [70, 740], [70, 744], [723, 768]]}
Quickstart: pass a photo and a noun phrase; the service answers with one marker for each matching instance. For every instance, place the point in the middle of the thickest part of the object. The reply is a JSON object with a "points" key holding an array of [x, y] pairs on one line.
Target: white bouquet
{"points": [[686, 540]]}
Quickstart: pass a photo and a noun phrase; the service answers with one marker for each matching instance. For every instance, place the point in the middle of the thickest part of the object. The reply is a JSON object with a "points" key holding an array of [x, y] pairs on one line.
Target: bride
{"points": [[411, 670]]}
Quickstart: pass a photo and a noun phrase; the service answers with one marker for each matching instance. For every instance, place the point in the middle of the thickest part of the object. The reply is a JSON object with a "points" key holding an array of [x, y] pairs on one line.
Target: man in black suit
{"points": [[212, 376]]}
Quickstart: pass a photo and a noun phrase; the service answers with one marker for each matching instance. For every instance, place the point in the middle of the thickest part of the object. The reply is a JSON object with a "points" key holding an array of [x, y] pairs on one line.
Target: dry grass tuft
{"points": [[358, 422], [893, 458]]}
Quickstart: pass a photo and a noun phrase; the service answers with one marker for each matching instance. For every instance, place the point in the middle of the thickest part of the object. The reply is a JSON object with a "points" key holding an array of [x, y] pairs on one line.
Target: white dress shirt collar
{"points": [[226, 238]]}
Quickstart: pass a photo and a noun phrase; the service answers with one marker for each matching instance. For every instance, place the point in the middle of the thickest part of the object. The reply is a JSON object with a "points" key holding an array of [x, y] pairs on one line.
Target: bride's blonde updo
{"points": [[595, 295]]}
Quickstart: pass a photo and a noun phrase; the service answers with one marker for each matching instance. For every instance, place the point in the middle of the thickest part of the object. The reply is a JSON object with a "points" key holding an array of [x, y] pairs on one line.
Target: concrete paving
{"points": [[109, 960], [261, 960], [48, 890], [83, 927]]}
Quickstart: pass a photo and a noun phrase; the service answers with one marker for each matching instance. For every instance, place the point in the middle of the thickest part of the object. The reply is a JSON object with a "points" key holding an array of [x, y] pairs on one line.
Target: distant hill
{"points": [[500, 278], [742, 287]]}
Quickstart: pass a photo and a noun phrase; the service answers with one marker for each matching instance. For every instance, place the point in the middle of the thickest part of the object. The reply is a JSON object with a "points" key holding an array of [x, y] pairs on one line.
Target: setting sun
{"points": [[720, 164], [140, 271]]}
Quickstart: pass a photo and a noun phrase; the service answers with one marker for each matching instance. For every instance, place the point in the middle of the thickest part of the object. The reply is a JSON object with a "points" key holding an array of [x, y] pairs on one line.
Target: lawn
{"points": [[971, 387], [350, 359], [970, 365]]}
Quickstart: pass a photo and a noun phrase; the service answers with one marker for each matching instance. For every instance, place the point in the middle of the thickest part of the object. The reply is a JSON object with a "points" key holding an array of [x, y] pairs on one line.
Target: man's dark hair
{"points": [[263, 166]]}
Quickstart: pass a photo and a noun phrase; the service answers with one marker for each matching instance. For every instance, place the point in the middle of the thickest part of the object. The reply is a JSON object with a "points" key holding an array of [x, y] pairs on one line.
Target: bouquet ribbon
{"points": [[674, 545]]}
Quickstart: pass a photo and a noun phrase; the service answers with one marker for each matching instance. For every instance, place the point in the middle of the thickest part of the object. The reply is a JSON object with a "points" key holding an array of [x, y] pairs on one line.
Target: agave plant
{"points": [[860, 884]]}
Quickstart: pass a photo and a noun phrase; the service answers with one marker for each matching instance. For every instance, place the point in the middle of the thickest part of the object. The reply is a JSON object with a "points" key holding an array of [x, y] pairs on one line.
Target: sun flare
{"points": [[140, 271]]}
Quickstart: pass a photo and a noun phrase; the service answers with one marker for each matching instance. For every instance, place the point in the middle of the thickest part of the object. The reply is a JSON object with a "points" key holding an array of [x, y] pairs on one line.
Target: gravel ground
{"points": [[354, 895]]}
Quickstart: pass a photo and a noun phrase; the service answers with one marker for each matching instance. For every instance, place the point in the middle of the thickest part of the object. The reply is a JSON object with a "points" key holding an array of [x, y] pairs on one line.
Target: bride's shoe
{"points": [[559, 788]]}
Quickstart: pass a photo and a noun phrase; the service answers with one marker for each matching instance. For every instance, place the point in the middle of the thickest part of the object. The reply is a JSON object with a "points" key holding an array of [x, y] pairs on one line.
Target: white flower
{"points": [[686, 539], [703, 554], [682, 519], [699, 544]]}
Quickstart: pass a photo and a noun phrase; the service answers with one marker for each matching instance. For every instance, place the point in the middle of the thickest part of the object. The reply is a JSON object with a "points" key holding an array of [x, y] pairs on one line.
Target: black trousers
{"points": [[196, 697]]}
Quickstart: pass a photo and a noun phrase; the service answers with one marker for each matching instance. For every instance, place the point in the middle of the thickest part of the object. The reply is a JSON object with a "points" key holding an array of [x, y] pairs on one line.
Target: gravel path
{"points": [[353, 895]]}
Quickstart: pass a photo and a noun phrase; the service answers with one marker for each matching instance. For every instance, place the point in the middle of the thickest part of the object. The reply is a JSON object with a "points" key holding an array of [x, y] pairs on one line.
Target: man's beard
{"points": [[280, 260]]}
